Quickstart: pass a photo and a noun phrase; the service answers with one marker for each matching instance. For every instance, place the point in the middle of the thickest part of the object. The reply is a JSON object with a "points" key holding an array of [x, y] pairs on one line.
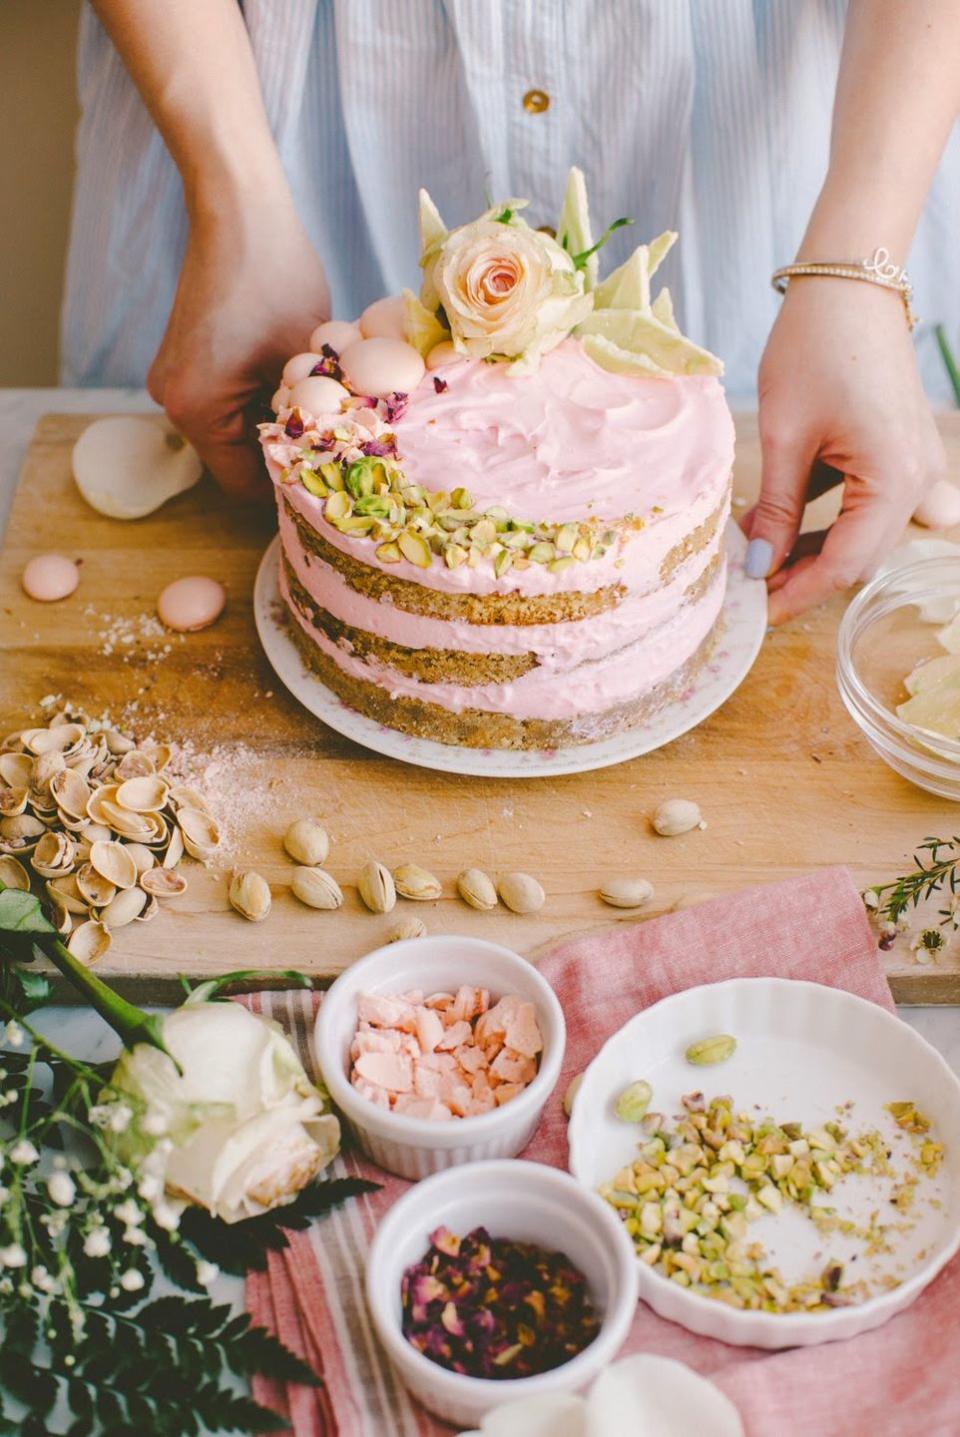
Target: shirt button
{"points": [[536, 101]]}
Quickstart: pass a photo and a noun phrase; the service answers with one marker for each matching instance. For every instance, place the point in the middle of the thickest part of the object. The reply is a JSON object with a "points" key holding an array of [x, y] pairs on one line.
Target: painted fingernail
{"points": [[759, 558]]}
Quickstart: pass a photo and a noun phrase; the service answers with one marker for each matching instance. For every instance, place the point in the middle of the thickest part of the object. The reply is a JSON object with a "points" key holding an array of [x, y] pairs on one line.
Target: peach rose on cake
{"points": [[506, 290]]}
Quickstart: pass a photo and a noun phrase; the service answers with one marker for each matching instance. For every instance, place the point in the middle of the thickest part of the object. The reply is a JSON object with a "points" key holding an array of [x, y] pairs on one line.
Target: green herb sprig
{"points": [[937, 870]]}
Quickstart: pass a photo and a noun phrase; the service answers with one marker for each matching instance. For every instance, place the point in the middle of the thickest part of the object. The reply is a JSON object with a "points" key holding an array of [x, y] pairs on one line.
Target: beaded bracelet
{"points": [[878, 269]]}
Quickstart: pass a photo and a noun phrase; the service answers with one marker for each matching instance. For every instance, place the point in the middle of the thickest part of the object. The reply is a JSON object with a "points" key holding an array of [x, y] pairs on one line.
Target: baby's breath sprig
{"points": [[937, 870]]}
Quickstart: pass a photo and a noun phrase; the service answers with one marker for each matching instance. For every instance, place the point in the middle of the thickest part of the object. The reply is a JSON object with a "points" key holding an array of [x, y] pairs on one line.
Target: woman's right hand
{"points": [[250, 291]]}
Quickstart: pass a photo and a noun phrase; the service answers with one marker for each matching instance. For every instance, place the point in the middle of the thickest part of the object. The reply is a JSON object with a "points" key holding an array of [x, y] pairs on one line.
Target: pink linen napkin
{"points": [[899, 1379]]}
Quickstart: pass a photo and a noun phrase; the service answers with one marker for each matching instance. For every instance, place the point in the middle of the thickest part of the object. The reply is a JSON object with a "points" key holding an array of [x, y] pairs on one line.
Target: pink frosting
{"points": [[590, 689], [571, 441], [559, 646]]}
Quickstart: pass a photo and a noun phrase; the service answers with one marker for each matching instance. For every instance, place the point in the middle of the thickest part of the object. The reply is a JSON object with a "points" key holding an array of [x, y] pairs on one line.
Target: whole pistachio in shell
{"points": [[306, 842], [249, 894]]}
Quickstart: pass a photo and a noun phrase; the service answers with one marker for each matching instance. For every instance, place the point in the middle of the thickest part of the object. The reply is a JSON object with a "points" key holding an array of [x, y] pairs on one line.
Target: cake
{"points": [[502, 503]]}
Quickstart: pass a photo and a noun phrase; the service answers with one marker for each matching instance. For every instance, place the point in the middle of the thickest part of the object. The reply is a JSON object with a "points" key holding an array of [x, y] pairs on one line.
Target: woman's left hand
{"points": [[841, 402]]}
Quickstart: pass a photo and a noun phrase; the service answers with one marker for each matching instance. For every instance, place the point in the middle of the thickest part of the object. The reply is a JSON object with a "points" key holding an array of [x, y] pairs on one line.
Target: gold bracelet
{"points": [[878, 269]]}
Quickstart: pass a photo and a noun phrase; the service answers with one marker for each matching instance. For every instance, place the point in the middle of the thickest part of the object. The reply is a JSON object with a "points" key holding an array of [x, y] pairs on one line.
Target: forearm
{"points": [[898, 95], [194, 68]]}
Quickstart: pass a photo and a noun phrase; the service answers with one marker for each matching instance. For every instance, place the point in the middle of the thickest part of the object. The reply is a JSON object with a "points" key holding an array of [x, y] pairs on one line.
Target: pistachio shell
{"points": [[249, 894], [174, 849], [46, 767], [135, 764], [626, 892], [407, 928], [142, 856], [150, 910], [95, 831], [22, 825], [376, 887], [112, 861], [521, 893], [61, 739], [412, 881], [477, 888], [93, 887], [67, 890], [676, 816], [72, 792], [13, 874], [60, 915], [307, 842], [54, 855], [123, 909], [16, 769], [89, 942], [119, 743], [184, 795], [316, 888], [200, 833], [146, 794], [13, 801], [163, 882]]}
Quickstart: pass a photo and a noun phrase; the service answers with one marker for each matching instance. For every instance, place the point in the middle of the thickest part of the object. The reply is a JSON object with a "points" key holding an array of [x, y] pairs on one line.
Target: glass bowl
{"points": [[890, 627]]}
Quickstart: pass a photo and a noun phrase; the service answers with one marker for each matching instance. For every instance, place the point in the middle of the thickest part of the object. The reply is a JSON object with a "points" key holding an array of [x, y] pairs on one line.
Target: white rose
{"points": [[247, 1129], [506, 290]]}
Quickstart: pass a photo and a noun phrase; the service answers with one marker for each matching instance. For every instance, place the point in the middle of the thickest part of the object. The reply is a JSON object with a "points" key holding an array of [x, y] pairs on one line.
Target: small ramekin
{"points": [[413, 1147], [882, 636], [530, 1203]]}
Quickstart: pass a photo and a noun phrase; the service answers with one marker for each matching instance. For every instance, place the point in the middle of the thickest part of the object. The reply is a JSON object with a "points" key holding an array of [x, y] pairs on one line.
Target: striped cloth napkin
{"points": [[897, 1380]]}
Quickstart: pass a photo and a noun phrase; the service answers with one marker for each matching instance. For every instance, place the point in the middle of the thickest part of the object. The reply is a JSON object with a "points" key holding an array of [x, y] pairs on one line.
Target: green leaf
{"points": [[34, 987], [580, 260], [21, 913], [243, 1246]]}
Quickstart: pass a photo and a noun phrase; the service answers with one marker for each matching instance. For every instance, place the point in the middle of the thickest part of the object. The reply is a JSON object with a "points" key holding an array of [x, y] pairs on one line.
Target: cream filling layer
{"points": [[559, 647], [592, 688]]}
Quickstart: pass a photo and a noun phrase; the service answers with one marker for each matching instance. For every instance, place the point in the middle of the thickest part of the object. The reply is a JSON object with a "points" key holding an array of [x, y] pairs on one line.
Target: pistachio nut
{"points": [[569, 1097], [521, 893], [376, 887], [316, 888], [407, 928], [412, 881], [306, 842], [249, 894], [626, 892], [634, 1101], [676, 816], [711, 1050], [477, 889]]}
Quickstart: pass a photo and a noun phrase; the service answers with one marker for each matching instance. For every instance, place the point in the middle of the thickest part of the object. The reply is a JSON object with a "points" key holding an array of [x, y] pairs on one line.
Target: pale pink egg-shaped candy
{"points": [[192, 603], [940, 509], [338, 333], [382, 367], [299, 367], [442, 353], [318, 395], [384, 319], [281, 399], [49, 577]]}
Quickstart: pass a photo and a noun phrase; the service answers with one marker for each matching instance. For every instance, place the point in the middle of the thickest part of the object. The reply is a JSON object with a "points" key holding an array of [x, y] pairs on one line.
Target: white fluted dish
{"points": [[414, 1147], [530, 1203], [802, 1049]]}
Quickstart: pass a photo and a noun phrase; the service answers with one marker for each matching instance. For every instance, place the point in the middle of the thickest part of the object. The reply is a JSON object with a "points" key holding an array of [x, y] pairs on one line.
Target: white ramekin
{"points": [[530, 1203], [413, 1147]]}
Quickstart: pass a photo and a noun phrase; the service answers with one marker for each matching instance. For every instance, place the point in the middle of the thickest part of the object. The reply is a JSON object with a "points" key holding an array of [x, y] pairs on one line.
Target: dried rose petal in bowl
{"points": [[495, 1307]]}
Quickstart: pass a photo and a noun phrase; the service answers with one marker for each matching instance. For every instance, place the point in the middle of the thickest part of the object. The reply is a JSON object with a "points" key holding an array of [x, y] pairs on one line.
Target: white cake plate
{"points": [[744, 620]]}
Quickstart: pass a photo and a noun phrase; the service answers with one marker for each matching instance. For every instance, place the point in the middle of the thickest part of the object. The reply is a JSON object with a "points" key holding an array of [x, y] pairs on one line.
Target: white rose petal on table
{"points": [[126, 466]]}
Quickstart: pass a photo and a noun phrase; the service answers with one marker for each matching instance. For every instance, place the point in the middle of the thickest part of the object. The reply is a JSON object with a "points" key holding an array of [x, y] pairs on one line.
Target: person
{"points": [[291, 137]]}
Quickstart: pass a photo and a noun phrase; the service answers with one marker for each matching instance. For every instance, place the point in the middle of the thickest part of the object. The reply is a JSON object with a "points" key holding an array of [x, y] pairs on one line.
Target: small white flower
{"points": [[43, 1281], [23, 1153], [150, 1188], [4, 1194], [120, 1118], [207, 1273], [13, 1256], [128, 1213], [155, 1123], [134, 1237], [10, 1097], [14, 1034], [6, 1287], [166, 1216], [62, 1189], [131, 1280], [97, 1242], [100, 1114]]}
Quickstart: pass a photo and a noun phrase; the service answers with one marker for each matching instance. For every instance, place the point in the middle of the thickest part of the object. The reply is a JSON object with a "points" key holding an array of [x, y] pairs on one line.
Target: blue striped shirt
{"points": [[709, 118]]}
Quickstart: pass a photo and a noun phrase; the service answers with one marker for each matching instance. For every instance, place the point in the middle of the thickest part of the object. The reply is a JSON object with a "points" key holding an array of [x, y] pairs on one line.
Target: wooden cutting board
{"points": [[782, 775]]}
